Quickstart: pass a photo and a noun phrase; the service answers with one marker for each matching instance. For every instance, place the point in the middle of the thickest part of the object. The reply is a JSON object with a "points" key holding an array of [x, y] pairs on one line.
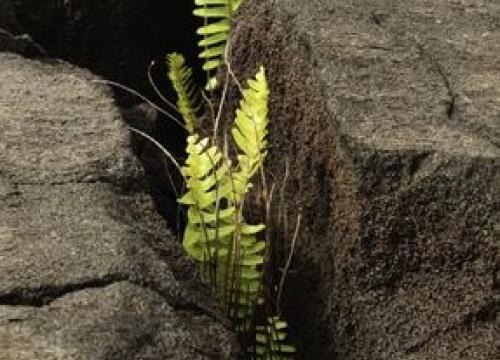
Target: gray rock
{"points": [[119, 321], [389, 115], [88, 269]]}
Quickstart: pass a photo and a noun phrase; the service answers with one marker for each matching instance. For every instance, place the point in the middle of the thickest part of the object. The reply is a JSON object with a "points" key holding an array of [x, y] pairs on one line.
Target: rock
{"points": [[117, 40], [389, 116], [88, 269], [118, 321]]}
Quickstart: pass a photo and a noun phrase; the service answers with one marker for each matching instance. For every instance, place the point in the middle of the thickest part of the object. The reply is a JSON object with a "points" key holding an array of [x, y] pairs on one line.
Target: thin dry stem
{"points": [[229, 68], [160, 146], [157, 91], [289, 261], [221, 107], [142, 97], [209, 103]]}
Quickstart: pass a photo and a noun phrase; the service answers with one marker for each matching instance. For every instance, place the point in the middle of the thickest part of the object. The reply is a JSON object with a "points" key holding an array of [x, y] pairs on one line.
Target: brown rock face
{"points": [[389, 115]]}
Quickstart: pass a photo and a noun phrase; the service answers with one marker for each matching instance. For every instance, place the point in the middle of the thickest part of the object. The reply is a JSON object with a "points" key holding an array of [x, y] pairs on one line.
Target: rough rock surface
{"points": [[88, 269], [389, 115]]}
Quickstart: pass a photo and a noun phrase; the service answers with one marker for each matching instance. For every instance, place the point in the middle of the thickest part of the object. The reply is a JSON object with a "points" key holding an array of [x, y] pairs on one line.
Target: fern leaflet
{"points": [[187, 93], [217, 16], [271, 341], [249, 133]]}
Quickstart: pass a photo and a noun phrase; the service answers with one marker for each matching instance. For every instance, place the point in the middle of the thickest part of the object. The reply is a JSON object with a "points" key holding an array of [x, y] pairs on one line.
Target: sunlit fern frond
{"points": [[271, 341], [187, 92], [204, 170], [216, 233], [217, 15], [249, 133]]}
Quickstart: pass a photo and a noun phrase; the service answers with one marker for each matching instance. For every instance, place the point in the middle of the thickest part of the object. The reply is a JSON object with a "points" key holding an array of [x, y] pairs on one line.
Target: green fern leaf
{"points": [[271, 341], [180, 76], [217, 15], [217, 233], [250, 131], [203, 170]]}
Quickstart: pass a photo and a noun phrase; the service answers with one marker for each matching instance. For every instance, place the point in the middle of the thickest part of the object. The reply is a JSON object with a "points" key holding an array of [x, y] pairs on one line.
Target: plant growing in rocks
{"points": [[228, 249], [231, 251]]}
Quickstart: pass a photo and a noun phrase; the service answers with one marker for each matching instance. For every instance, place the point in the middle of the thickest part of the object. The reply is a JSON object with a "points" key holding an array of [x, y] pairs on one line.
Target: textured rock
{"points": [[119, 321], [389, 115], [87, 267]]}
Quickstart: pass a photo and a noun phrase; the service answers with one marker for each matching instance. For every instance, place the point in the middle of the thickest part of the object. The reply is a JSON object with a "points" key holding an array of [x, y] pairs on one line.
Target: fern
{"points": [[271, 341], [249, 133], [202, 173], [217, 16], [216, 232], [217, 235], [180, 75]]}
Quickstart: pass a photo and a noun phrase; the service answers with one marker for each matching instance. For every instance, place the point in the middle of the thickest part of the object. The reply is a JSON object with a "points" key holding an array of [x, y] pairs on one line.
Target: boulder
{"points": [[388, 115], [88, 269]]}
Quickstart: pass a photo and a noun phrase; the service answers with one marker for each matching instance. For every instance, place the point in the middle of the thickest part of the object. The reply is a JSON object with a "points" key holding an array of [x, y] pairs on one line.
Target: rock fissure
{"points": [[46, 294], [487, 313], [451, 106], [89, 181]]}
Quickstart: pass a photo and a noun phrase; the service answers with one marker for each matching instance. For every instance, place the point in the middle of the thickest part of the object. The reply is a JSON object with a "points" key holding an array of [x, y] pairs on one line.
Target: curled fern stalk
{"points": [[180, 76], [217, 16]]}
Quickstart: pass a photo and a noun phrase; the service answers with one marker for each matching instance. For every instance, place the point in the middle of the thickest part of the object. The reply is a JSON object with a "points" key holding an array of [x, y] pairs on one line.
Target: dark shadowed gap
{"points": [[117, 40]]}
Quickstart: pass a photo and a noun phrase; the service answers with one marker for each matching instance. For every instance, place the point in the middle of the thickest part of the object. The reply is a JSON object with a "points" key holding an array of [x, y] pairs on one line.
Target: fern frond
{"points": [[204, 169], [217, 16], [271, 341], [187, 93], [215, 230], [249, 133], [217, 235]]}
